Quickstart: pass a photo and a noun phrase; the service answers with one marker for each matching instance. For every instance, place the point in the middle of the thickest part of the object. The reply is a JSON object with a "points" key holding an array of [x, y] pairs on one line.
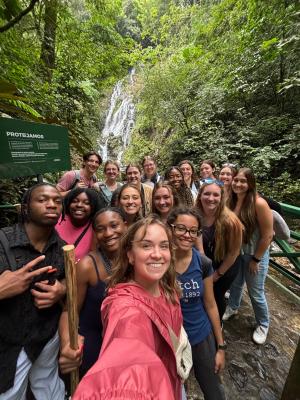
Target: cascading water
{"points": [[119, 121]]}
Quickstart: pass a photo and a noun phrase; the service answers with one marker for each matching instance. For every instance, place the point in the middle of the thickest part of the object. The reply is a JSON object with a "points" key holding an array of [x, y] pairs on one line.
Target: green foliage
{"points": [[221, 81], [90, 54]]}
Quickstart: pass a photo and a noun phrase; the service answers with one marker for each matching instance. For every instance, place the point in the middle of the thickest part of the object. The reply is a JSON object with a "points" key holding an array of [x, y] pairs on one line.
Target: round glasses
{"points": [[182, 229]]}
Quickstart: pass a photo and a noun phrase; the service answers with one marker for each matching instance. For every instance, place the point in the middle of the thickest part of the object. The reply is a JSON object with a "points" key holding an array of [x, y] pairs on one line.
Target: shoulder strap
{"points": [[94, 177], [105, 261], [102, 192], [8, 253], [95, 265], [76, 178], [77, 241]]}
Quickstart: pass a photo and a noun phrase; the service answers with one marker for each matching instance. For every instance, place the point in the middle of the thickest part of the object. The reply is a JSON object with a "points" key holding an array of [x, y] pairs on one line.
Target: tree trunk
{"points": [[48, 44]]}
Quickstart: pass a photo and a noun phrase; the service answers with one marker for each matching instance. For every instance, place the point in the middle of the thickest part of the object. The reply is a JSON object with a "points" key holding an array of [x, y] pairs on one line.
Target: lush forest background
{"points": [[215, 79]]}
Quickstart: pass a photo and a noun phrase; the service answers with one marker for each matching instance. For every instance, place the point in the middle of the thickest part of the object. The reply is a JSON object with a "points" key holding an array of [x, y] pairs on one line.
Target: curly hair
{"points": [[92, 196], [184, 193]]}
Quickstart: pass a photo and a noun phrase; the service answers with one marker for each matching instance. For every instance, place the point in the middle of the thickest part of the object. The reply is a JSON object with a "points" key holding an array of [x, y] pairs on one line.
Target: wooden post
{"points": [[291, 388], [71, 282]]}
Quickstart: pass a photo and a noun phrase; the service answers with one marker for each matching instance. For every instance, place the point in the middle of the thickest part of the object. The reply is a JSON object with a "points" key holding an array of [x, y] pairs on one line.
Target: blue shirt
{"points": [[195, 319]]}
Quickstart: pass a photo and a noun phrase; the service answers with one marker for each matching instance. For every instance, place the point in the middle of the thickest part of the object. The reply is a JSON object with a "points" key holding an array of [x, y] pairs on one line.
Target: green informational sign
{"points": [[28, 148]]}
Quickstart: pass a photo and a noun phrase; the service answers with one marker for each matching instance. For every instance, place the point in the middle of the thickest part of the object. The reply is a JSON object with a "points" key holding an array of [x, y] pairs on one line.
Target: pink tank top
{"points": [[69, 233]]}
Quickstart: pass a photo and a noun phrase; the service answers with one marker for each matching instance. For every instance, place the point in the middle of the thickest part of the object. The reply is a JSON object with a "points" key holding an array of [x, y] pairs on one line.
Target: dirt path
{"points": [[258, 372]]}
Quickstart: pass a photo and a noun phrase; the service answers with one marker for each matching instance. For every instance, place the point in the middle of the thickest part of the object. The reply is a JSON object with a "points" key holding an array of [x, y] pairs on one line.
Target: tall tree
{"points": [[48, 43]]}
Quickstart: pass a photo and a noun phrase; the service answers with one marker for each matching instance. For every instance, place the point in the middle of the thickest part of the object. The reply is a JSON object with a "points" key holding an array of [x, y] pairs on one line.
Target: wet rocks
{"points": [[258, 372], [238, 375]]}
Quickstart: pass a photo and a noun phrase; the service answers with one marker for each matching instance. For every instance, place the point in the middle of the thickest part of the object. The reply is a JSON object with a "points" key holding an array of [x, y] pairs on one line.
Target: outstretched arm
{"points": [[70, 359]]}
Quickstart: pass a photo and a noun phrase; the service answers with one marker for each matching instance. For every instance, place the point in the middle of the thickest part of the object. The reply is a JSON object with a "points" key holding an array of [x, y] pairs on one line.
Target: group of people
{"points": [[156, 255]]}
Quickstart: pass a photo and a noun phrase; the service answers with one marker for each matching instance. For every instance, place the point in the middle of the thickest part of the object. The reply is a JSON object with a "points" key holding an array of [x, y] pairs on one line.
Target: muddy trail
{"points": [[258, 372]]}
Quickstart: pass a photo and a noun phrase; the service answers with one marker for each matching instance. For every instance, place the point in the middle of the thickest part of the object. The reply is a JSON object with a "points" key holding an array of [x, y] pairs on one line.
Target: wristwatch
{"points": [[257, 260], [222, 346]]}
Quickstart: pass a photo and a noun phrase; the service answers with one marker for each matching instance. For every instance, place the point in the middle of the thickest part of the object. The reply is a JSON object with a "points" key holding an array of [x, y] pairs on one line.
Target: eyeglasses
{"points": [[209, 181], [181, 230], [229, 165]]}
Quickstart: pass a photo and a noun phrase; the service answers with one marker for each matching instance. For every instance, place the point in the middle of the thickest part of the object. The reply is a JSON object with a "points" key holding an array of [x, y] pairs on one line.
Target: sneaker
{"points": [[229, 312], [260, 334]]}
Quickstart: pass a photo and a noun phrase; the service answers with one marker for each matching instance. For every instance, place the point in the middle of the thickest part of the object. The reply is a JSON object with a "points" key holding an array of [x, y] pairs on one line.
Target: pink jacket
{"points": [[137, 359]]}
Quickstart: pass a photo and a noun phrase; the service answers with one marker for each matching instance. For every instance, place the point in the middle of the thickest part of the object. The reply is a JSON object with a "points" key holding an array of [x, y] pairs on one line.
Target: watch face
{"points": [[222, 346]]}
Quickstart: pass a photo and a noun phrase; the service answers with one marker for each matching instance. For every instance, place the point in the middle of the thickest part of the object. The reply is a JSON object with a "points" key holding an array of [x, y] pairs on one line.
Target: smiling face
{"points": [[184, 241], [163, 200], [92, 164], [133, 175], [206, 171], [226, 176], [175, 178], [80, 209], [187, 172], [210, 198], [130, 201], [240, 184], [149, 168], [150, 257], [45, 206], [111, 172], [109, 228]]}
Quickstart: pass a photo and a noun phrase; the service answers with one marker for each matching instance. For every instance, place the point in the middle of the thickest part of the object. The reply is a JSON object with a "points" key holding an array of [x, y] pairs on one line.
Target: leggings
{"points": [[223, 284], [204, 369]]}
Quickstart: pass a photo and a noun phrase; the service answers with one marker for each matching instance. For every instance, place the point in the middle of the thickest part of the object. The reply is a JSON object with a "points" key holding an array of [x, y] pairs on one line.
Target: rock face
{"points": [[255, 372]]}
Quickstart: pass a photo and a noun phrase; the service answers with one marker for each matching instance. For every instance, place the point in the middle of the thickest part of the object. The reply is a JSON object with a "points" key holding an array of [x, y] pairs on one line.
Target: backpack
{"points": [[105, 201], [77, 179]]}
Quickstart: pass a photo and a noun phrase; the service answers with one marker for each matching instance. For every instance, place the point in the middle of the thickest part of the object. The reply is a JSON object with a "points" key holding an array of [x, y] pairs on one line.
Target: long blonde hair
{"points": [[123, 271], [228, 227]]}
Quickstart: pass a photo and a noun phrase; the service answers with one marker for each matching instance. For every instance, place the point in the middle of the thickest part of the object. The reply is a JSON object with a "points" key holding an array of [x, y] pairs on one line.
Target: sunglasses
{"points": [[209, 181], [229, 165]]}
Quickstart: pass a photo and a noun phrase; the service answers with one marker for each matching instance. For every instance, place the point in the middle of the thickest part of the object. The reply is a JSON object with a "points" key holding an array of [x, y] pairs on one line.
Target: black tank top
{"points": [[90, 324]]}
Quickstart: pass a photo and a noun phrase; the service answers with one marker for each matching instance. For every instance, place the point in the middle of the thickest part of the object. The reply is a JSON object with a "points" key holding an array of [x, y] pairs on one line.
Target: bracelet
{"points": [[219, 273], [222, 346], [257, 260]]}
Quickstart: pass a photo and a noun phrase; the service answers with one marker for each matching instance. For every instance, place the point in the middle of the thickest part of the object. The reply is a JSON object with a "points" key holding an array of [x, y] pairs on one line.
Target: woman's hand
{"points": [[70, 359], [219, 361], [216, 276], [253, 267]]}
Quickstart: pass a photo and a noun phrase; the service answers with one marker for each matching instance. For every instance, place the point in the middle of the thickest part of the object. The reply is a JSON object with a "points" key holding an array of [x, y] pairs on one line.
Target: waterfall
{"points": [[119, 121]]}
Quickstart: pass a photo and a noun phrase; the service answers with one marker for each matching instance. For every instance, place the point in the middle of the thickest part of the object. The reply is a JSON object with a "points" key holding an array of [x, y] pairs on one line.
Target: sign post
{"points": [[28, 148]]}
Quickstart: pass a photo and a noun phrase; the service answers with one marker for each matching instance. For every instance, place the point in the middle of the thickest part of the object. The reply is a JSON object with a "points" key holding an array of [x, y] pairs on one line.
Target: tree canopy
{"points": [[221, 81], [215, 78]]}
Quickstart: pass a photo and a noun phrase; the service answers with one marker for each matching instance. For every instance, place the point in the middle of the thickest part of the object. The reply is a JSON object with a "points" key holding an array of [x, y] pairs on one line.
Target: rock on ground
{"points": [[255, 372]]}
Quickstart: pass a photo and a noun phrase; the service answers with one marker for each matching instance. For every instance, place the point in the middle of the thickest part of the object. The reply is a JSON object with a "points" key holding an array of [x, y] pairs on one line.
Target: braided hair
{"points": [[26, 198], [184, 193]]}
